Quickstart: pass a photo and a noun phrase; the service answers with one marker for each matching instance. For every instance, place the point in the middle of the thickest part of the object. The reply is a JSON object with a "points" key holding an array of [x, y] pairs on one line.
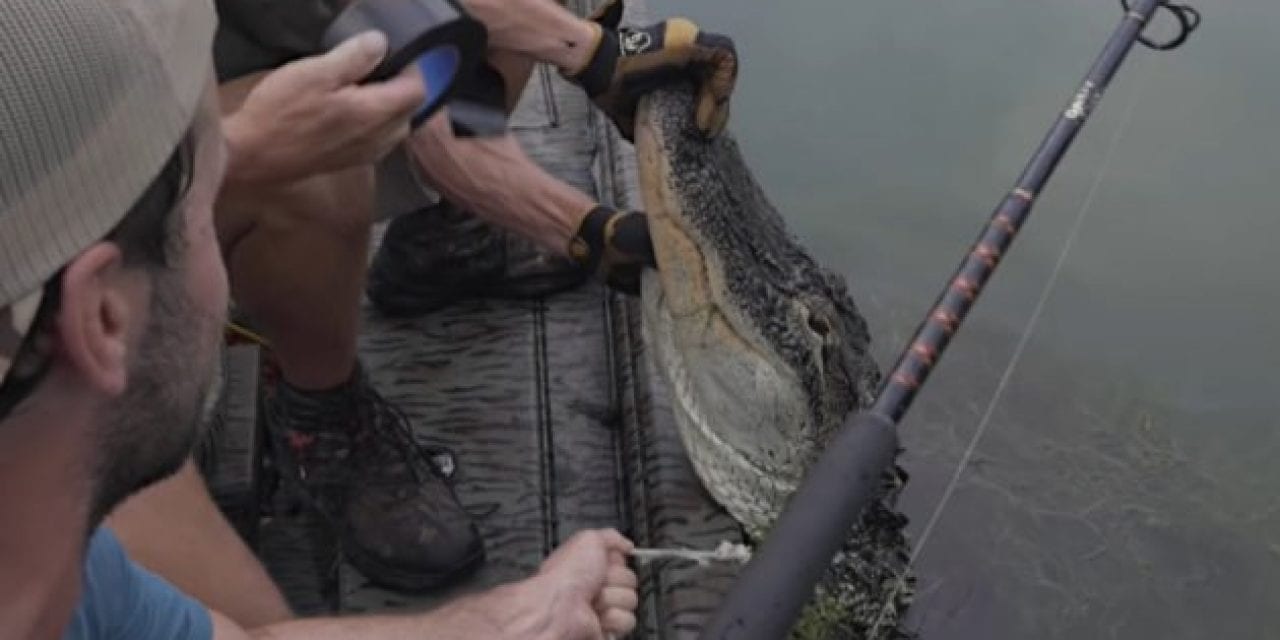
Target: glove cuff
{"points": [[614, 247], [596, 77], [609, 14], [587, 247]]}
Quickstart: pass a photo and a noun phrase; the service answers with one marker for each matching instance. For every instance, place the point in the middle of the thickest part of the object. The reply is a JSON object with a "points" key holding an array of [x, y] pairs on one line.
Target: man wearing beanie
{"points": [[113, 295]]}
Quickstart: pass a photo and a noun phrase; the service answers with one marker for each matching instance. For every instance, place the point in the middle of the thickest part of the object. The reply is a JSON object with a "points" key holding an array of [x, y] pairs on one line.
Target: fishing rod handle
{"points": [[952, 306], [774, 587]]}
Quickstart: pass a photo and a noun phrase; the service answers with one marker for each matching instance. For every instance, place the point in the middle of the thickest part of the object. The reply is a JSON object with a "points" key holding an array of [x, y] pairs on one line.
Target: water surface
{"points": [[1126, 485]]}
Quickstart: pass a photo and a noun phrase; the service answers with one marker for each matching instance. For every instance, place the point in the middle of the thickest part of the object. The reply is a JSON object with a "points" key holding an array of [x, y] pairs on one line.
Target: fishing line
{"points": [[1014, 359]]}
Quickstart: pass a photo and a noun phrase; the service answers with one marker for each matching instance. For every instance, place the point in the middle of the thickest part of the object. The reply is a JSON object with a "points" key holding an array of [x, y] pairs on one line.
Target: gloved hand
{"points": [[629, 62], [615, 247]]}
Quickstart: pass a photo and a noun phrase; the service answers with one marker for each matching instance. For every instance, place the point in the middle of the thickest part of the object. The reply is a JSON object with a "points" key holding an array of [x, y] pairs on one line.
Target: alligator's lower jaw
{"points": [[750, 493], [691, 277], [681, 264], [685, 314]]}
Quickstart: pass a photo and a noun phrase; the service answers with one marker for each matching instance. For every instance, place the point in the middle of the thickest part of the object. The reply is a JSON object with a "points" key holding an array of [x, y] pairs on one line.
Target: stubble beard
{"points": [[149, 431]]}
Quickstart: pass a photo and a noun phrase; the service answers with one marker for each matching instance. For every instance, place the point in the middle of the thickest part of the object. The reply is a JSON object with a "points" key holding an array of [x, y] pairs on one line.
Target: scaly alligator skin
{"points": [[765, 353]]}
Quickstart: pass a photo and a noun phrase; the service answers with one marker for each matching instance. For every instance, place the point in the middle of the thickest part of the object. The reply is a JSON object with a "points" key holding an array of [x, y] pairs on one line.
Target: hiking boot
{"points": [[435, 257], [353, 456]]}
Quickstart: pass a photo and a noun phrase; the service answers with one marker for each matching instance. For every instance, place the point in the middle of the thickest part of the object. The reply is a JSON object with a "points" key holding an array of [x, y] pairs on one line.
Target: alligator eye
{"points": [[819, 326]]}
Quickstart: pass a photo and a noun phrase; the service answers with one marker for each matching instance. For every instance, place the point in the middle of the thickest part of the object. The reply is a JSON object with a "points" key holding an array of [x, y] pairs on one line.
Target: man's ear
{"points": [[97, 312]]}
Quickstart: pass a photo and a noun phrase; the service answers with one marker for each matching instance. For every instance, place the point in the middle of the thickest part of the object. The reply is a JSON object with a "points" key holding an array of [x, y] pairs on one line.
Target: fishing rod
{"points": [[773, 588]]}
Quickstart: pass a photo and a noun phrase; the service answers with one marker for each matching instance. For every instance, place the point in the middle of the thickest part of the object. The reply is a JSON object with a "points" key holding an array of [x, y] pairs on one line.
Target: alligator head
{"points": [[764, 352]]}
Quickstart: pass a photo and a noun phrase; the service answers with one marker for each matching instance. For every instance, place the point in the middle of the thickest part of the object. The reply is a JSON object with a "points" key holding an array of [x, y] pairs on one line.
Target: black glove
{"points": [[615, 247], [629, 62], [608, 15]]}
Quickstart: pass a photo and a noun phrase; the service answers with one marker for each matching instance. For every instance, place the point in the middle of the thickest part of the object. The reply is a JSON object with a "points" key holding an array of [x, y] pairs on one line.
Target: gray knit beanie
{"points": [[94, 97]]}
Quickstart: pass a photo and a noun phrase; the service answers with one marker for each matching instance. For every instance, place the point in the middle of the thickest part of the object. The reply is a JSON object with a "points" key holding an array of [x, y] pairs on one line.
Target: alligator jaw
{"points": [[740, 407]]}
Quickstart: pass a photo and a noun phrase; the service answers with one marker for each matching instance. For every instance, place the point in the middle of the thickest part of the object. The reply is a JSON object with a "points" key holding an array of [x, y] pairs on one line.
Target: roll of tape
{"points": [[479, 107], [437, 35]]}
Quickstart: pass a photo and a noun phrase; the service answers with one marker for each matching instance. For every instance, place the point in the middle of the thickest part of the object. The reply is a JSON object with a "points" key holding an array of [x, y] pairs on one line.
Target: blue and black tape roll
{"points": [[438, 35]]}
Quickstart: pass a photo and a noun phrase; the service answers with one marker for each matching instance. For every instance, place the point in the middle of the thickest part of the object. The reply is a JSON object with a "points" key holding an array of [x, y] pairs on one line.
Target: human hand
{"points": [[313, 116], [592, 592], [630, 62], [615, 247]]}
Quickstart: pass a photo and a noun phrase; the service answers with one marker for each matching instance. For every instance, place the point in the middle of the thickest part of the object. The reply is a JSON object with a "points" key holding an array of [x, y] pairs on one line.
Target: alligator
{"points": [[765, 354]]}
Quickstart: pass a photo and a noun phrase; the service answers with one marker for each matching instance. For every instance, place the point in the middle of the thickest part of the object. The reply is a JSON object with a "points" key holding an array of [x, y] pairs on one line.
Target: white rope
{"points": [[725, 552], [1005, 377]]}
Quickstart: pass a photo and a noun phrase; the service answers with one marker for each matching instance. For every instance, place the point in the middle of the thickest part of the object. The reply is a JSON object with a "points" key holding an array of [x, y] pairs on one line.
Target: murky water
{"points": [[1127, 484]]}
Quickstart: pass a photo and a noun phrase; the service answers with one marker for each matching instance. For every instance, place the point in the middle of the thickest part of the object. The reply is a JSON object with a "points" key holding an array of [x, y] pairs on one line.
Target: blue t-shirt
{"points": [[122, 600]]}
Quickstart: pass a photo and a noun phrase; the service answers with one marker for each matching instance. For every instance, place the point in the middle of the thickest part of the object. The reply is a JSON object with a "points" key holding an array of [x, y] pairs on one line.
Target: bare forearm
{"points": [[161, 525], [494, 179], [240, 169], [371, 627], [243, 136], [446, 625], [541, 29], [583, 590], [512, 611]]}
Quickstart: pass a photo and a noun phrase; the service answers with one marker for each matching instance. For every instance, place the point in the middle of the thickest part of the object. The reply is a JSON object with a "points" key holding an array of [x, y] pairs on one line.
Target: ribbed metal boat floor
{"points": [[552, 409]]}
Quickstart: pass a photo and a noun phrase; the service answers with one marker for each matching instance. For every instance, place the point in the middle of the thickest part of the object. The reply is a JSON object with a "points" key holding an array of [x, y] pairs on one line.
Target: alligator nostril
{"points": [[819, 325]]}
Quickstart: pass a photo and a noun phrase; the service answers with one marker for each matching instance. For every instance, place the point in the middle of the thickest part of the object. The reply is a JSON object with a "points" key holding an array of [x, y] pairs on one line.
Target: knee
{"points": [[339, 204]]}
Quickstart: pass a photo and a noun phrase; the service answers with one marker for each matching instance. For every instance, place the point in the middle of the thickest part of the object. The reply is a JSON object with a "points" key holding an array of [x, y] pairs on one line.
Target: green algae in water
{"points": [[867, 583]]}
